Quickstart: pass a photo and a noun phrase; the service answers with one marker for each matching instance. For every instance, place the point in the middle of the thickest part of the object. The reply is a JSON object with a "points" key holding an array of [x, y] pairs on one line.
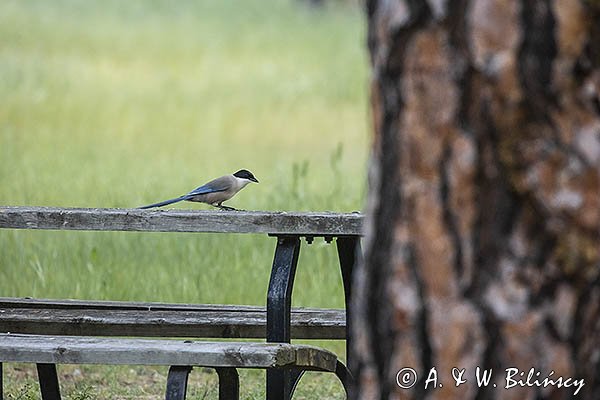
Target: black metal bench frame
{"points": [[281, 383]]}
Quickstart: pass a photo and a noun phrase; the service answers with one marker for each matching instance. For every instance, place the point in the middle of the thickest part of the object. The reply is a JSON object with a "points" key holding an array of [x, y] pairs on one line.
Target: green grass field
{"points": [[123, 103]]}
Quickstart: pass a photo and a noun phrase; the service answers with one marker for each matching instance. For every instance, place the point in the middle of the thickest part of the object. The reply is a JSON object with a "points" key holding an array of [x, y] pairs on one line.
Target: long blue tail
{"points": [[166, 202]]}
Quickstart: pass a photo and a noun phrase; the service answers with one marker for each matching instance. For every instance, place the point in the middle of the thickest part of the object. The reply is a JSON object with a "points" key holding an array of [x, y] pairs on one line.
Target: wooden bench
{"points": [[277, 323], [118, 318], [181, 356]]}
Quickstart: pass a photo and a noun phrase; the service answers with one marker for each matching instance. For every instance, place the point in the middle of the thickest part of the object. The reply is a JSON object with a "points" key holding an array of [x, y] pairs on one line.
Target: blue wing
{"points": [[217, 185]]}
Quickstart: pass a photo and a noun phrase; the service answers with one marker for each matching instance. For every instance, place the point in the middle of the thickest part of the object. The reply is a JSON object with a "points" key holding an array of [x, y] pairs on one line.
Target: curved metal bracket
{"points": [[279, 304], [295, 376], [344, 375], [341, 371], [177, 382]]}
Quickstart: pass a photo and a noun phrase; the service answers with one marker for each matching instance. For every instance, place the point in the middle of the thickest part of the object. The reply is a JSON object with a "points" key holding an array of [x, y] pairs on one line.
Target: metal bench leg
{"points": [[279, 303], [349, 253], [177, 382], [229, 384], [48, 381]]}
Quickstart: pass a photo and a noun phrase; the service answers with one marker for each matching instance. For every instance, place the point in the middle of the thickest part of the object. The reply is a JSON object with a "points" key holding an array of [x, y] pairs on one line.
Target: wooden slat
{"points": [[86, 350], [119, 318], [327, 324], [77, 304], [99, 219]]}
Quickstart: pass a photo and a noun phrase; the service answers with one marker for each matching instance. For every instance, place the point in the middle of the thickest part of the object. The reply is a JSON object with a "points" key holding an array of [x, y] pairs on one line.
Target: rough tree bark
{"points": [[482, 239]]}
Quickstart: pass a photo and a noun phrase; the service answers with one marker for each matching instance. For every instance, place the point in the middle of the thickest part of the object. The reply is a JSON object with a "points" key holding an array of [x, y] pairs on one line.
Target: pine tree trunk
{"points": [[482, 244]]}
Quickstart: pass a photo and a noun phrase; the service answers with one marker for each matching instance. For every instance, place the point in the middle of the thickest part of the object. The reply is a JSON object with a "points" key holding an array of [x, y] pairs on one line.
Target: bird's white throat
{"points": [[242, 182]]}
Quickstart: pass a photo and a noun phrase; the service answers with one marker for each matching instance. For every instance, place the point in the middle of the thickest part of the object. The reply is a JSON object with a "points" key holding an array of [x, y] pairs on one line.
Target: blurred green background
{"points": [[123, 103]]}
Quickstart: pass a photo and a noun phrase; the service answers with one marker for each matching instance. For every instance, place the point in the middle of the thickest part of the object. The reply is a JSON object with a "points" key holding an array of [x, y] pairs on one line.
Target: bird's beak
{"points": [[253, 179]]}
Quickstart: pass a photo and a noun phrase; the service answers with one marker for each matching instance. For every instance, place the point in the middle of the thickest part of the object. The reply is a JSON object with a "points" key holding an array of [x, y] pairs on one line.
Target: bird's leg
{"points": [[224, 208]]}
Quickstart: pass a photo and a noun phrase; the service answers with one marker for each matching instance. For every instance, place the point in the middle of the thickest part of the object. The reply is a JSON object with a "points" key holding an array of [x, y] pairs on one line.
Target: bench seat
{"points": [[91, 350], [113, 318], [181, 355]]}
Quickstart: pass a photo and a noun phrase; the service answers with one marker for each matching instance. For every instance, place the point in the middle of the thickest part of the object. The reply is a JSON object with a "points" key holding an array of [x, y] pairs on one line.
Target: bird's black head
{"points": [[245, 174]]}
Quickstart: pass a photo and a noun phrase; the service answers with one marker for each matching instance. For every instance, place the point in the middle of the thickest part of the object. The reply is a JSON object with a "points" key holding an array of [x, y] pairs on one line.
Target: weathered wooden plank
{"points": [[28, 302], [76, 304], [87, 350], [99, 219], [213, 323], [120, 318]]}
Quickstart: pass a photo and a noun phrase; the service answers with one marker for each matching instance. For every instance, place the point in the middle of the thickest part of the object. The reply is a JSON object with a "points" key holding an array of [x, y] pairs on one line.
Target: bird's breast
{"points": [[212, 198]]}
